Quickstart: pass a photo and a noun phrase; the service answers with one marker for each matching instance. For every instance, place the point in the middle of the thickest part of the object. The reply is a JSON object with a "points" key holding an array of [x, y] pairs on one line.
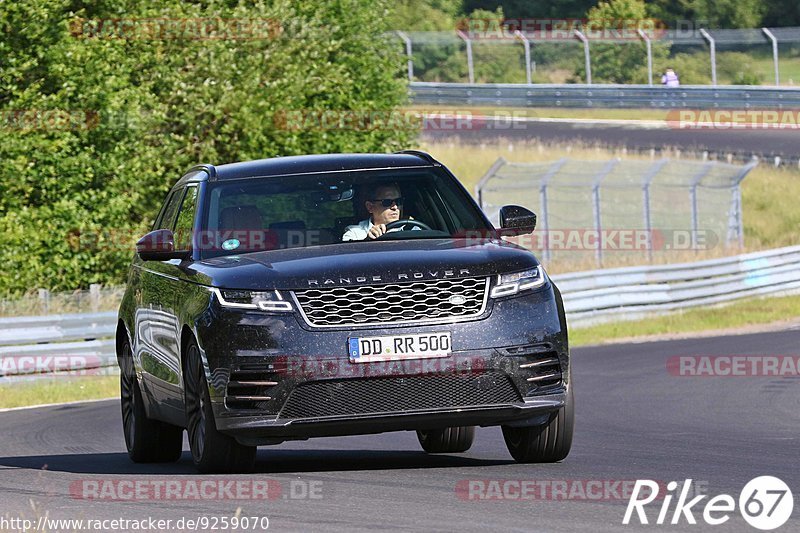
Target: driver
{"points": [[383, 206]]}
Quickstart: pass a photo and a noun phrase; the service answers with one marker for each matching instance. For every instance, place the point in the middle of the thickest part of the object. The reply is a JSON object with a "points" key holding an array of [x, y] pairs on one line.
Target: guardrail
{"points": [[590, 298], [636, 292], [604, 96], [70, 342]]}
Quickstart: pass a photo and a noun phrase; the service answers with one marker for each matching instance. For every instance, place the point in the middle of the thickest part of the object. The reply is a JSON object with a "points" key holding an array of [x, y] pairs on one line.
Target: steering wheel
{"points": [[407, 222]]}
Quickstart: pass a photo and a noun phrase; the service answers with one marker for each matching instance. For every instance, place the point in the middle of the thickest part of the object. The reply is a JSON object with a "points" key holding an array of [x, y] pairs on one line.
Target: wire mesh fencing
{"points": [[620, 209], [43, 302]]}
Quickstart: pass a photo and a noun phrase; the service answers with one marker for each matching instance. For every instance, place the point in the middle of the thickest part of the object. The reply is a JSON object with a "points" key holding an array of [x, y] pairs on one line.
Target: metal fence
{"points": [[77, 342], [44, 302], [584, 207], [614, 96], [708, 56], [82, 342]]}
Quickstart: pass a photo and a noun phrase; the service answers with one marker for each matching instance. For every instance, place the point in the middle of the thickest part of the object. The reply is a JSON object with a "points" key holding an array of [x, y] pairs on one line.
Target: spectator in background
{"points": [[670, 79]]}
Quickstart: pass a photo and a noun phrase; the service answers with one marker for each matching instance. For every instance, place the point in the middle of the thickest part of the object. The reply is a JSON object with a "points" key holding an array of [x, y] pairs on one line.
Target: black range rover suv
{"points": [[248, 319]]}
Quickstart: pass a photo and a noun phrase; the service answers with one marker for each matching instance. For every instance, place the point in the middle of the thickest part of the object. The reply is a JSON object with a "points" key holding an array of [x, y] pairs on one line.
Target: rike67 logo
{"points": [[766, 503]]}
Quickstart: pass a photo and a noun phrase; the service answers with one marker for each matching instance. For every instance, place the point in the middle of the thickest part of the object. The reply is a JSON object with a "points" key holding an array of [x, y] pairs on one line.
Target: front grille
{"points": [[396, 303], [390, 395]]}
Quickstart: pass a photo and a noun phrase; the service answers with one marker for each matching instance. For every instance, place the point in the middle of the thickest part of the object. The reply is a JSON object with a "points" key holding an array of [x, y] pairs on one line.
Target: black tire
{"points": [[212, 451], [147, 441], [547, 443], [447, 440]]}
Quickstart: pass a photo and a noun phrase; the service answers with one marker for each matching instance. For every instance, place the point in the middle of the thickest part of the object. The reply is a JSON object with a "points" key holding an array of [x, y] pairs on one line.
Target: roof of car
{"points": [[306, 164]]}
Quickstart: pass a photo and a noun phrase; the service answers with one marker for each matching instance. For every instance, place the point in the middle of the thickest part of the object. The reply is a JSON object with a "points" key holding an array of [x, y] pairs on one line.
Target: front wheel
{"points": [[547, 443], [212, 451], [147, 441], [447, 440]]}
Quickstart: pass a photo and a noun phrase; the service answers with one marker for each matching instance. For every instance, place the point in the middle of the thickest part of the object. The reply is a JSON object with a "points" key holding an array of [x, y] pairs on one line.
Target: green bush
{"points": [[738, 68], [97, 128]]}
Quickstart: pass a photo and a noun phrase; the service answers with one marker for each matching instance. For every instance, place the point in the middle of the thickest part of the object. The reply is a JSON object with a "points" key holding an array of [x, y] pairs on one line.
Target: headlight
{"points": [[262, 300], [510, 284]]}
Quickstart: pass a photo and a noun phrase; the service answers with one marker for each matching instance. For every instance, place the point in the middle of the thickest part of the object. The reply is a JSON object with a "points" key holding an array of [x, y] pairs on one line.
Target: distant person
{"points": [[670, 79]]}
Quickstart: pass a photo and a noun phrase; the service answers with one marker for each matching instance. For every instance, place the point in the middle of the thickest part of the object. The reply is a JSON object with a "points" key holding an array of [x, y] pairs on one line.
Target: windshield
{"points": [[258, 214]]}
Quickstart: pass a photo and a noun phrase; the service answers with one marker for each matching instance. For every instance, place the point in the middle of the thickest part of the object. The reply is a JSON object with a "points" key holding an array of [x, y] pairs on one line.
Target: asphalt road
{"points": [[741, 142], [634, 420]]}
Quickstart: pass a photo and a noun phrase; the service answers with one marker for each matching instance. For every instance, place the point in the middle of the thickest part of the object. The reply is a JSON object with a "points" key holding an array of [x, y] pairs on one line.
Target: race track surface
{"points": [[634, 420], [741, 142]]}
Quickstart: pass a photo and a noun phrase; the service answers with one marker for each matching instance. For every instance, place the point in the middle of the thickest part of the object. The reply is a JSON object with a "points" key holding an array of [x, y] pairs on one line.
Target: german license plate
{"points": [[392, 347]]}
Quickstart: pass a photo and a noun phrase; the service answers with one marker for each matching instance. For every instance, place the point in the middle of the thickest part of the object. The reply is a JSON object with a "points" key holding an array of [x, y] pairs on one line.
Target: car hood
{"points": [[359, 263]]}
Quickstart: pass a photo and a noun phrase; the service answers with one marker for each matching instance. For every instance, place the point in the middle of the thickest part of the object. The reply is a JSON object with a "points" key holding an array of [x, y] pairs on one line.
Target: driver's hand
{"points": [[376, 231]]}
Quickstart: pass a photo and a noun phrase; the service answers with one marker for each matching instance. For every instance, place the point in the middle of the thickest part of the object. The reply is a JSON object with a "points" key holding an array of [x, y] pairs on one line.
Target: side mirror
{"points": [[159, 245], [516, 220]]}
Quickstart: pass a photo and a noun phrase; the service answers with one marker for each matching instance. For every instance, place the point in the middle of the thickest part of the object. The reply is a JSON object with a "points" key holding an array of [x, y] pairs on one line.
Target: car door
{"points": [[158, 325]]}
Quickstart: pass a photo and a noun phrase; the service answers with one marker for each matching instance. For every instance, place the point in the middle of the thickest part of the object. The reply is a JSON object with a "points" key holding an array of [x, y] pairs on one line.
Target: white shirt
{"points": [[359, 232], [670, 79]]}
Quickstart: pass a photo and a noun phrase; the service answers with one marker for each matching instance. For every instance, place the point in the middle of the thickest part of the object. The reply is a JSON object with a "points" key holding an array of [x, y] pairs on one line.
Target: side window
{"points": [[157, 223], [167, 220], [185, 223]]}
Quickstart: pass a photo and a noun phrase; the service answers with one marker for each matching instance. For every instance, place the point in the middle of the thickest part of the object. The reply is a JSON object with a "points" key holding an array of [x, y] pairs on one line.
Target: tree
{"points": [[626, 61], [514, 9], [782, 13], [730, 13], [425, 15], [104, 108]]}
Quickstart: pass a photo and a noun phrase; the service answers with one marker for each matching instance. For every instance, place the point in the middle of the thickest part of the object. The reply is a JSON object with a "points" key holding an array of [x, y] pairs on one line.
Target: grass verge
{"points": [[547, 112], [737, 315], [58, 389]]}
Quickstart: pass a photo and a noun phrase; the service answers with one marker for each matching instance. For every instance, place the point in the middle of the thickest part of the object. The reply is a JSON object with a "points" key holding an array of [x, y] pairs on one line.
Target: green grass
{"points": [[58, 389], [788, 68], [736, 315], [769, 205], [548, 112]]}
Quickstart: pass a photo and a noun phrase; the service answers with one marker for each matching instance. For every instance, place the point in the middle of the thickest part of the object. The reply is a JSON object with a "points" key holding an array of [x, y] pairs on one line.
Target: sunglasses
{"points": [[387, 202]]}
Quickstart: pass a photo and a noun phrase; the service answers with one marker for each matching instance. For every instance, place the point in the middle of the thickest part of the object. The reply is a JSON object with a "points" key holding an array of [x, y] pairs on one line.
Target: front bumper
{"points": [[261, 430], [272, 378]]}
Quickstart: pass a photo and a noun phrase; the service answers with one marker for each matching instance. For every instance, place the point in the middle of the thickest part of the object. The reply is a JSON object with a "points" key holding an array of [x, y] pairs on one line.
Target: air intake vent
{"points": [[250, 390], [387, 395], [541, 372]]}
